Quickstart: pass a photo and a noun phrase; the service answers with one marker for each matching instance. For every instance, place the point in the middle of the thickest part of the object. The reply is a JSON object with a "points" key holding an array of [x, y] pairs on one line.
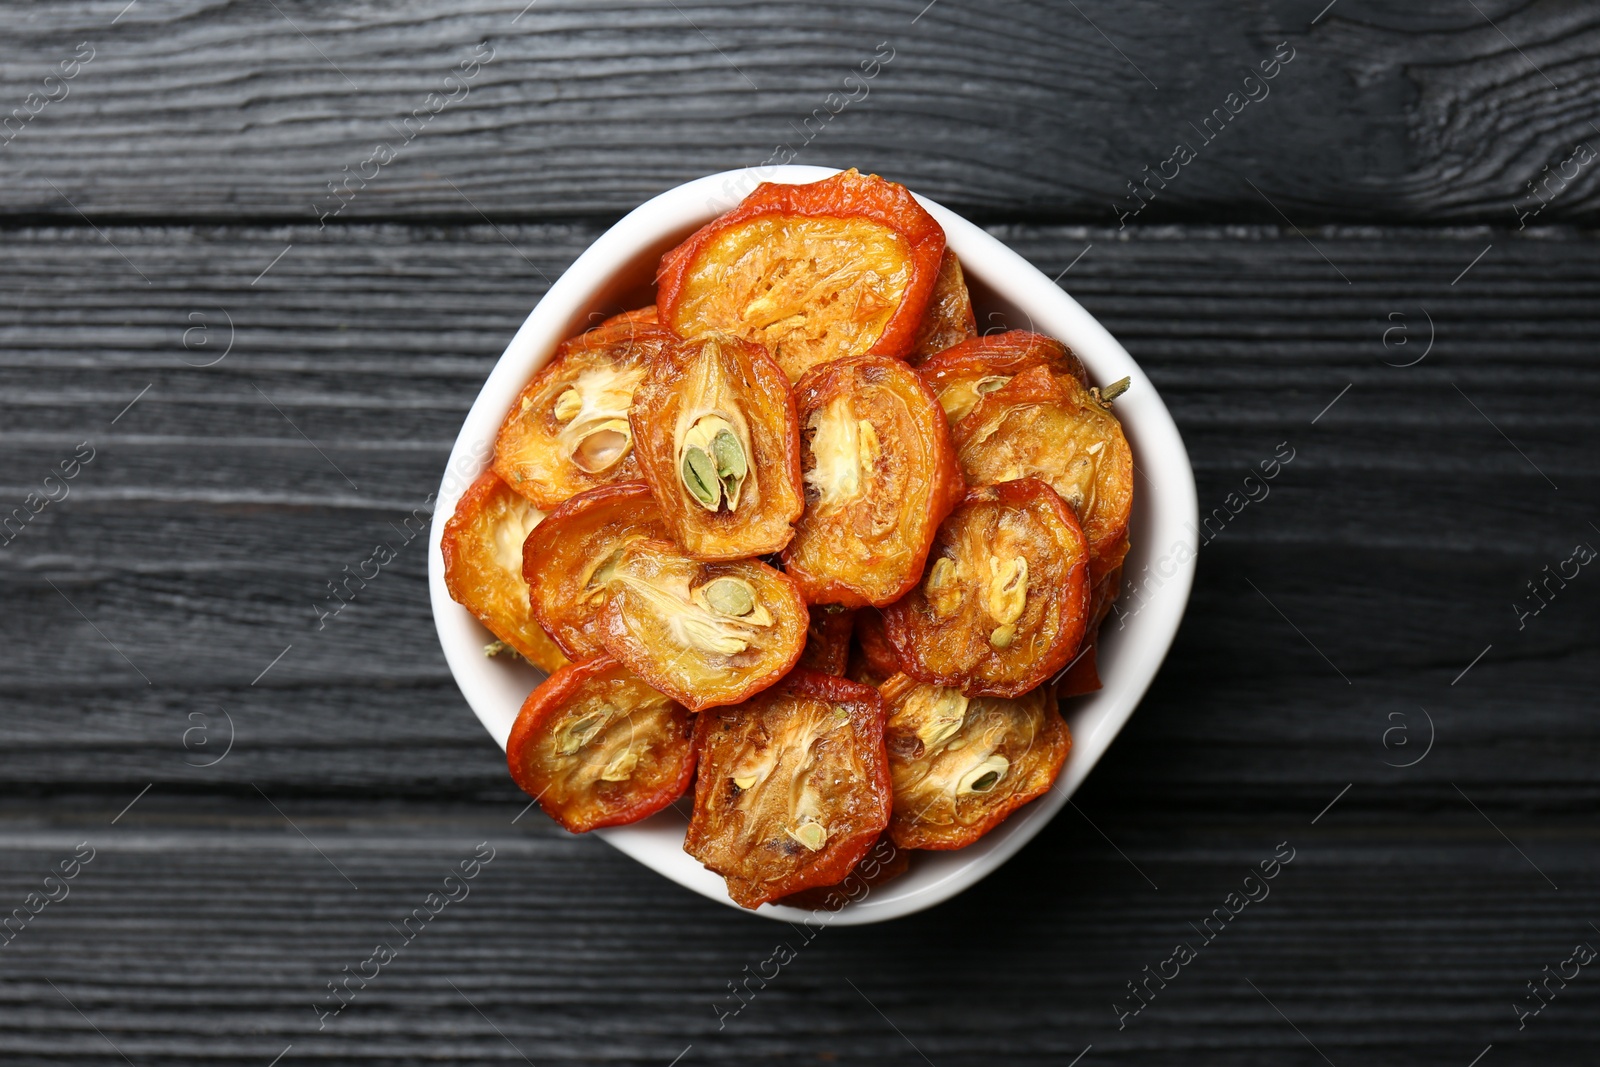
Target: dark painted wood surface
{"points": [[1331, 621], [206, 109]]}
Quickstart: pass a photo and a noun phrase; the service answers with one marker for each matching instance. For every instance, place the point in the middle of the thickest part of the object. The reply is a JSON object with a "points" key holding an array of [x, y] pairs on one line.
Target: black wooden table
{"points": [[259, 257]]}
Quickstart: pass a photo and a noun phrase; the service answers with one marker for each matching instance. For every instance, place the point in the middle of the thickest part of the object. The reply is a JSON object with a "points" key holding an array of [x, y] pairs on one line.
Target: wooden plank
{"points": [[201, 538], [204, 110], [208, 933]]}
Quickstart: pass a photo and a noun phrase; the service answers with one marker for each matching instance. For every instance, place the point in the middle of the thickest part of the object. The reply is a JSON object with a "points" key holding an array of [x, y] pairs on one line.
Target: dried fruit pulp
{"points": [[598, 747]]}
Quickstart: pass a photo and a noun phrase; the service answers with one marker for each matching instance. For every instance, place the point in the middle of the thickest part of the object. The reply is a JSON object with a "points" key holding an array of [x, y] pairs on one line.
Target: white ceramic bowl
{"points": [[615, 273]]}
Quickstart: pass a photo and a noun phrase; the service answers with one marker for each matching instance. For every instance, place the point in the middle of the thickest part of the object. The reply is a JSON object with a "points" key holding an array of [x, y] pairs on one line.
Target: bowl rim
{"points": [[1165, 513]]}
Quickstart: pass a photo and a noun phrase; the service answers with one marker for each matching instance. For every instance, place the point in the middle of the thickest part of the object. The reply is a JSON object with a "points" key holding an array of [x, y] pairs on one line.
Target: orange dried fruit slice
{"points": [[882, 863], [1005, 601], [839, 267], [949, 319], [793, 787], [568, 430], [827, 648], [961, 764], [704, 633], [963, 375], [568, 561], [880, 474], [872, 658], [719, 445], [1049, 426], [1082, 675], [596, 747], [482, 549]]}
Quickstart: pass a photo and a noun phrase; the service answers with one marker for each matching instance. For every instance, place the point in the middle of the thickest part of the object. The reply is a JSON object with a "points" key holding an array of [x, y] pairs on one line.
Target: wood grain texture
{"points": [[208, 934], [198, 109], [163, 212]]}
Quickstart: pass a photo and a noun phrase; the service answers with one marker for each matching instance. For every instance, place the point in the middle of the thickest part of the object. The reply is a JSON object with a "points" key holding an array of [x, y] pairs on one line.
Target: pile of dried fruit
{"points": [[797, 535]]}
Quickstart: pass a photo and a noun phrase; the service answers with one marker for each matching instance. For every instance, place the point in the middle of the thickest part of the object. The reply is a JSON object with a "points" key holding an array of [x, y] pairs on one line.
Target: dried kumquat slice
{"points": [[839, 267], [1005, 601], [880, 474], [828, 639], [568, 430], [949, 319], [1082, 675], [719, 445], [482, 549], [1049, 426], [705, 633], [883, 862], [963, 375], [961, 764], [793, 787], [568, 561], [595, 747], [872, 658]]}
